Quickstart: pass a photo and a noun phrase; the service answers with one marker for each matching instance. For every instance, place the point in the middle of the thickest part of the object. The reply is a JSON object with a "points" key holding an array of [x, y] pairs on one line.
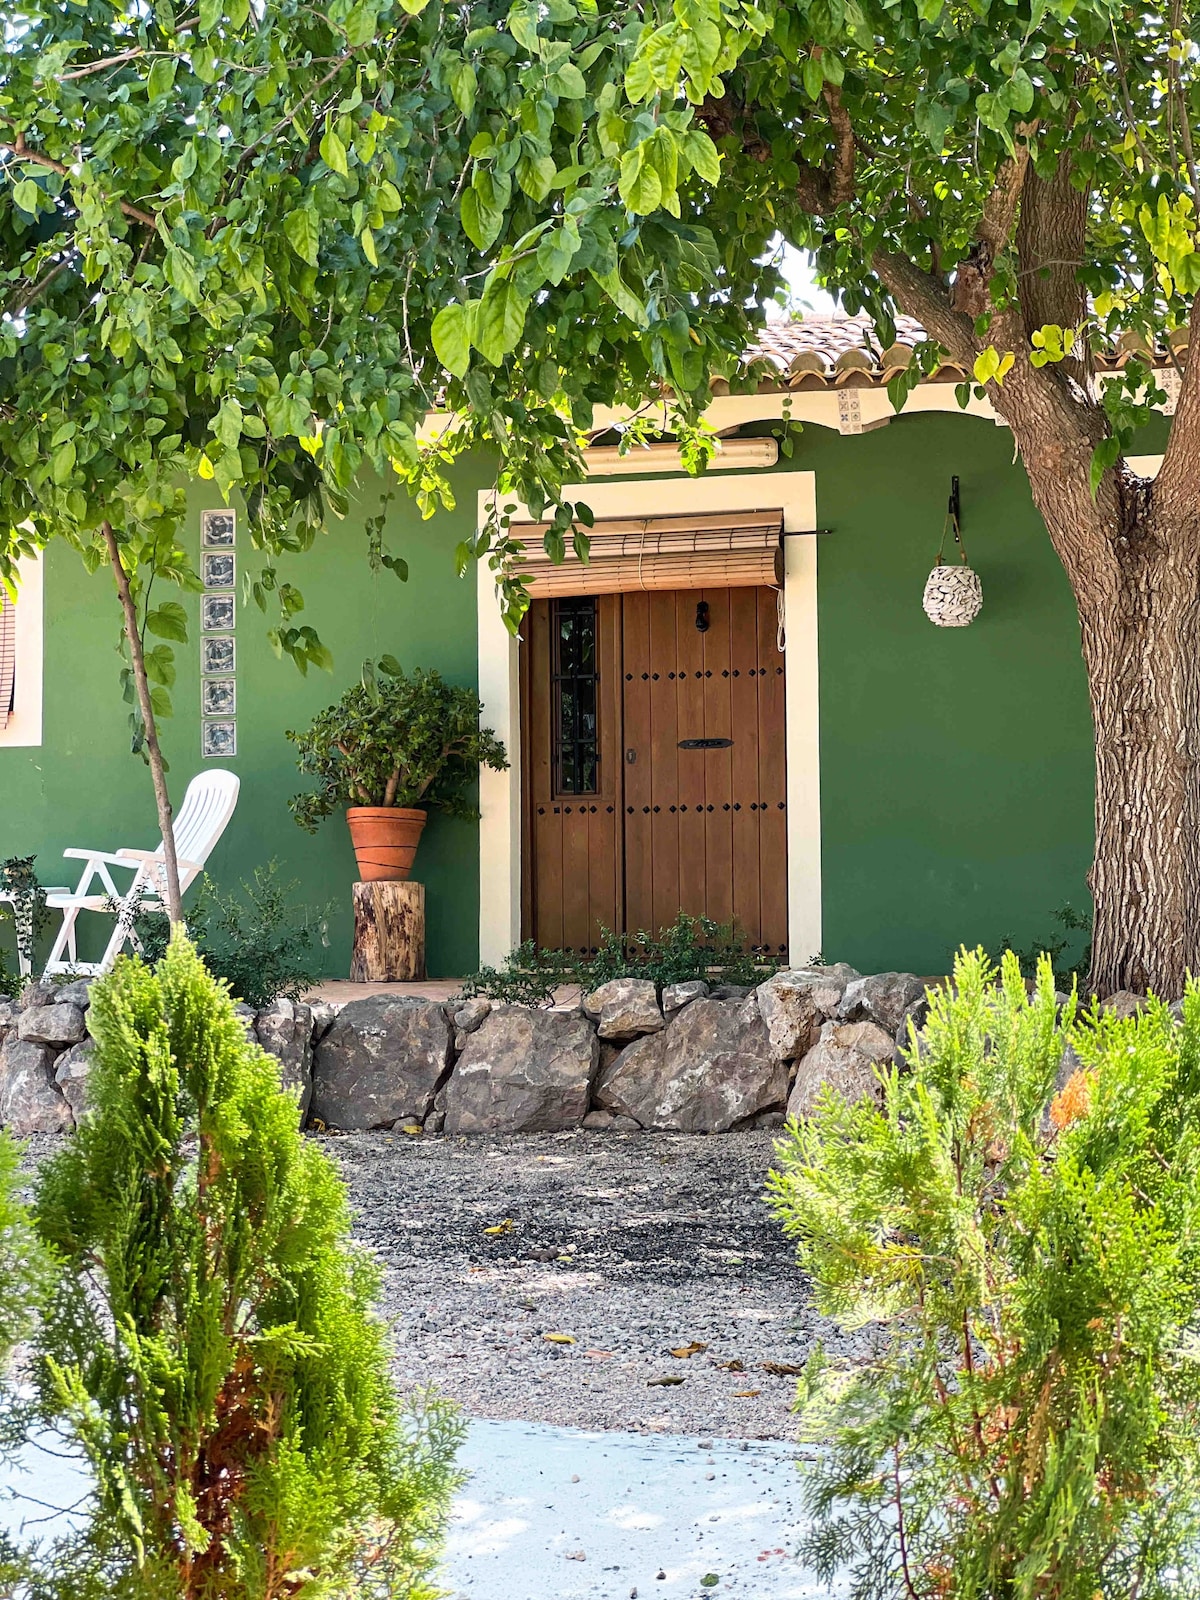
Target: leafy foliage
{"points": [[395, 739], [27, 911], [259, 940], [257, 244], [1069, 960], [691, 947], [1029, 1261], [211, 1341]]}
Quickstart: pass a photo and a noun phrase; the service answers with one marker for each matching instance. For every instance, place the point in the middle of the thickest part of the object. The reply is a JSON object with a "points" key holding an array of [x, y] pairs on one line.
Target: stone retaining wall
{"points": [[691, 1059]]}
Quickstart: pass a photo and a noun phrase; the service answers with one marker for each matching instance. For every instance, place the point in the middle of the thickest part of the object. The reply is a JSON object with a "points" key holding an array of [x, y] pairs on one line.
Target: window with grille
{"points": [[8, 657], [574, 684]]}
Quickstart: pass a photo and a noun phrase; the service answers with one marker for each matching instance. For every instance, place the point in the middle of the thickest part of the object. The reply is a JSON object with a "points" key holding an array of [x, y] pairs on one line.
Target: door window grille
{"points": [[574, 685]]}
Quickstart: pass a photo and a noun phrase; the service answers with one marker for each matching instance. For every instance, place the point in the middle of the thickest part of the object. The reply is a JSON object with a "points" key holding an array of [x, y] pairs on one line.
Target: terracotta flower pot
{"points": [[385, 840]]}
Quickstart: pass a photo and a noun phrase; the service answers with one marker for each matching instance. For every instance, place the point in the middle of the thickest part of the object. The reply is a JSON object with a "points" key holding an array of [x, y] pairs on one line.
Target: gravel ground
{"points": [[631, 1244]]}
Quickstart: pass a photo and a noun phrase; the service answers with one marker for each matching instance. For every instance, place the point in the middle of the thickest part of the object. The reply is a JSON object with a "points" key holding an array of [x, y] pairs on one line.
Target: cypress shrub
{"points": [[211, 1341], [1017, 1234]]}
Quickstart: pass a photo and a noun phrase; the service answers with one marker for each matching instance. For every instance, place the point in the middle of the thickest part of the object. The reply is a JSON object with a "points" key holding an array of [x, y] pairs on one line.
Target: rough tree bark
{"points": [[1132, 555], [158, 772]]}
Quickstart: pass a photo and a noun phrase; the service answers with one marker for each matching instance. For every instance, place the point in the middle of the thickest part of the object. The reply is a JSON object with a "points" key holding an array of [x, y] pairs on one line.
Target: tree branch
{"points": [[1051, 242], [25, 298], [1178, 483], [23, 153], [974, 273]]}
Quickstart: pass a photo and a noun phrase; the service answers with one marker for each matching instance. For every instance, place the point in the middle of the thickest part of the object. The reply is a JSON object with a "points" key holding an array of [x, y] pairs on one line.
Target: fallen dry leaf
{"points": [[413, 1129], [501, 1227], [745, 1394], [666, 1382], [686, 1350], [559, 1338], [782, 1369], [731, 1366], [599, 1355]]}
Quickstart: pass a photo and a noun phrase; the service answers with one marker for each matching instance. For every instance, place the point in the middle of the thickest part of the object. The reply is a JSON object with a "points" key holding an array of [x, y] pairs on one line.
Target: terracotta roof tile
{"points": [[831, 352]]}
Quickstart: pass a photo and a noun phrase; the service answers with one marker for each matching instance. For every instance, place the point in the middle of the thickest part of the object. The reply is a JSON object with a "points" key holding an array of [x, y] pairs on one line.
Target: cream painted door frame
{"points": [[500, 792]]}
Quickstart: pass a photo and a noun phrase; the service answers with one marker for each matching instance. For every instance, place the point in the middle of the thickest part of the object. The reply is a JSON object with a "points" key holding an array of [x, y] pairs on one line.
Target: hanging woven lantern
{"points": [[953, 593]]}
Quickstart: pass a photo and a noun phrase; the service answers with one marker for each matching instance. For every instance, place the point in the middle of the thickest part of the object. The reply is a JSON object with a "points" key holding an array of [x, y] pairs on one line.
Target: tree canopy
{"points": [[258, 242]]}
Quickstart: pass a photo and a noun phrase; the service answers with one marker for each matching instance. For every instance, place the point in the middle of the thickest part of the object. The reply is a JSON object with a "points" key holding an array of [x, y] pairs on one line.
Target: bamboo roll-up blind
{"points": [[8, 656], [726, 550]]}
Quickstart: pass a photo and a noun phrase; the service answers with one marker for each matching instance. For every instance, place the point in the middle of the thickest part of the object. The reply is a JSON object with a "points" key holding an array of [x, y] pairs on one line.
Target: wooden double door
{"points": [[654, 770]]}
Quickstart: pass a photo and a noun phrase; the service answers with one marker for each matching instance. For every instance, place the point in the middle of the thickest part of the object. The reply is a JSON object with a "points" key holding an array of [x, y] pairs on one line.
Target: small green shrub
{"points": [[1070, 955], [395, 739], [261, 941], [691, 947], [1029, 1265], [210, 1342]]}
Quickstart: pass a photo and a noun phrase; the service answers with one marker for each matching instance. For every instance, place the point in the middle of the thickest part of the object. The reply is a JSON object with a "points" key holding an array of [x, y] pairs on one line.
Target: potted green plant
{"points": [[396, 745]]}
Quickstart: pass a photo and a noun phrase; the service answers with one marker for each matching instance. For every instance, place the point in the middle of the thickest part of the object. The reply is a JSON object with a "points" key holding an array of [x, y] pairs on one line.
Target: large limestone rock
{"points": [[711, 1069], [56, 1024], [382, 1060], [30, 1101], [885, 998], [285, 1029], [471, 1013], [793, 1005], [844, 1057], [76, 993], [624, 1008], [677, 995], [523, 1071], [71, 1075]]}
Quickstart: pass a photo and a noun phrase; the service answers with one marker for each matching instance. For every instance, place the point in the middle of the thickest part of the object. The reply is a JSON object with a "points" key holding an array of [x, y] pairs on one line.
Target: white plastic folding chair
{"points": [[201, 820]]}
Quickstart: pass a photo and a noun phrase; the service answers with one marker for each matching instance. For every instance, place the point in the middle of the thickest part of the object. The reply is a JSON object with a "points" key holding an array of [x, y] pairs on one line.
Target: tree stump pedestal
{"points": [[389, 933]]}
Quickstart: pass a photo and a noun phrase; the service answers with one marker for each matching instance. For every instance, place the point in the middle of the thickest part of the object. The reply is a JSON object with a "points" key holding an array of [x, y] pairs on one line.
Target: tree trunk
{"points": [[389, 932], [1141, 645], [153, 751]]}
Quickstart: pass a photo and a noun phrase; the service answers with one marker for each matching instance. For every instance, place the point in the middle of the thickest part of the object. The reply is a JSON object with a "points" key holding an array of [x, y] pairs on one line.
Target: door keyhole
{"points": [[702, 618], [630, 757]]}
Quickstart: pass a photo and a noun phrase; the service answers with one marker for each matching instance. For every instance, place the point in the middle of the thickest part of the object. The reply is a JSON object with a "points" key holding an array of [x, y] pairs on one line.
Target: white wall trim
{"points": [[500, 792], [25, 724]]}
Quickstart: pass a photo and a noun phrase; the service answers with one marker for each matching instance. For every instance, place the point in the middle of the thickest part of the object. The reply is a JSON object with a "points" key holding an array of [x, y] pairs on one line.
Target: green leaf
{"points": [[160, 665], [463, 86], [62, 463], [481, 223], [622, 297], [302, 229], [640, 185], [703, 155], [333, 154], [367, 239], [452, 338], [360, 23], [161, 77], [168, 621], [227, 424], [500, 320], [26, 195], [180, 272], [813, 75], [568, 82], [210, 15]]}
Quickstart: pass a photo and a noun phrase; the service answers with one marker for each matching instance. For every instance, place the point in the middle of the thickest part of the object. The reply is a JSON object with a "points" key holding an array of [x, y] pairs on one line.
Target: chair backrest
{"points": [[204, 815]]}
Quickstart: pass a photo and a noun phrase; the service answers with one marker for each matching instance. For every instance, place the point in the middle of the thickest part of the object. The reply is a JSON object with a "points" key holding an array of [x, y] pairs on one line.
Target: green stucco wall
{"points": [[956, 763], [81, 787]]}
